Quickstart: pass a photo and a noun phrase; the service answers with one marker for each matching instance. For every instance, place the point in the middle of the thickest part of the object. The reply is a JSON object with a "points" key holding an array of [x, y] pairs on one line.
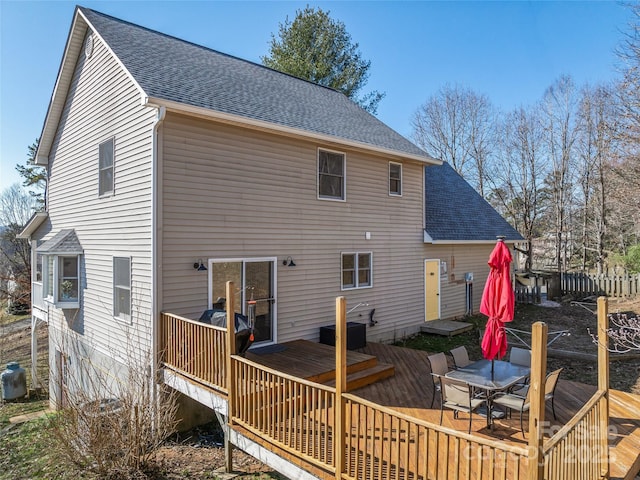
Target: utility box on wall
{"points": [[356, 335]]}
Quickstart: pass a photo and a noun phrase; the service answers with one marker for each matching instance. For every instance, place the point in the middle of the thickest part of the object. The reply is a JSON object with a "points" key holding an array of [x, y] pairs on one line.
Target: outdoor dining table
{"points": [[482, 375]]}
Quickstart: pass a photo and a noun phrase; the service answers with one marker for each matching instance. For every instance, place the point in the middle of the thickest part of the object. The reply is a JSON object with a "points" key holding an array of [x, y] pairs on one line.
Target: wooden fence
{"points": [[587, 284]]}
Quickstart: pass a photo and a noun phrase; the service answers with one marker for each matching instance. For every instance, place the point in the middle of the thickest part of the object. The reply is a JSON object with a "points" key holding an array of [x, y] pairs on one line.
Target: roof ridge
{"points": [[204, 47]]}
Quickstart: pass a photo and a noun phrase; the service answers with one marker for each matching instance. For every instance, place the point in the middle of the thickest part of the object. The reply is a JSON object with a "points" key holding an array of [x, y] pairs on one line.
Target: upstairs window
{"points": [[331, 175], [105, 167], [122, 288], [356, 270], [395, 179]]}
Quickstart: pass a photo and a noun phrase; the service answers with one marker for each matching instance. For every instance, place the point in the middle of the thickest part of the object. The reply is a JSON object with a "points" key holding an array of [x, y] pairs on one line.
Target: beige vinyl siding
{"points": [[230, 192], [460, 260], [104, 103]]}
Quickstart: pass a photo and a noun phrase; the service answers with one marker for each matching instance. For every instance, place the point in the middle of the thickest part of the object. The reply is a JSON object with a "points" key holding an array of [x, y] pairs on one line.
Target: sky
{"points": [[509, 51]]}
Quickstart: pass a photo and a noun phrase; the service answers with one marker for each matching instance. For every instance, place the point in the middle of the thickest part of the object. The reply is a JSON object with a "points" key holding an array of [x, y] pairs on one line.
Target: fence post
{"points": [[231, 350], [536, 399], [603, 383], [341, 385]]}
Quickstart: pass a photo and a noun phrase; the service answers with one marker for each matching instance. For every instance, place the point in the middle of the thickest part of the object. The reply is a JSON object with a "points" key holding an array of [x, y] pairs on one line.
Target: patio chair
{"points": [[460, 357], [520, 400], [439, 367], [520, 356], [458, 396]]}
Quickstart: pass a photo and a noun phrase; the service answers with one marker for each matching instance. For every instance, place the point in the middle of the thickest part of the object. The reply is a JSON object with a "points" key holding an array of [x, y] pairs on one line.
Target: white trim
{"points": [[112, 192], [267, 457], [113, 286], [202, 395], [396, 195], [289, 131], [357, 255], [344, 175], [32, 225], [428, 239]]}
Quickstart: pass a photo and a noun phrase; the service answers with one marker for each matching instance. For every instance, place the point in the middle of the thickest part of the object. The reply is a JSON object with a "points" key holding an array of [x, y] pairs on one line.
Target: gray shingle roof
{"points": [[454, 211], [171, 69], [65, 241]]}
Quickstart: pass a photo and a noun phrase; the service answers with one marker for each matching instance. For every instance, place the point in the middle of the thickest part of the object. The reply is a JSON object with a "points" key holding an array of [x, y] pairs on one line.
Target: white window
{"points": [[122, 288], [395, 179], [356, 270], [61, 274], [331, 175], [105, 167]]}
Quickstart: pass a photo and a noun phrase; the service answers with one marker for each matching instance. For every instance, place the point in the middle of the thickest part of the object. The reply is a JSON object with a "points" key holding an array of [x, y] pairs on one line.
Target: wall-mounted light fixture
{"points": [[199, 265], [288, 262]]}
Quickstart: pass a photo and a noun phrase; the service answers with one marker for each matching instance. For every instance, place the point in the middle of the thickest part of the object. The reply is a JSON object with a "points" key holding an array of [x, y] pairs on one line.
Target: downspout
{"points": [[155, 310]]}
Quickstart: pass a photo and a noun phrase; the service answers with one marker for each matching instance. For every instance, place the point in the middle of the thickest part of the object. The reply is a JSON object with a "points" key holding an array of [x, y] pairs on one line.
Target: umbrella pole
{"points": [[492, 361]]}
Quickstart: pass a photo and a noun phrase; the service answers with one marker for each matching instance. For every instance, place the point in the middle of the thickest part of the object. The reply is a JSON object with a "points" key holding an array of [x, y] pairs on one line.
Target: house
{"points": [[173, 168]]}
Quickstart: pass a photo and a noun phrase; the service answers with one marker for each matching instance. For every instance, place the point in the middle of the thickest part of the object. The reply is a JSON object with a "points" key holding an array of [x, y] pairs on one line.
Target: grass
{"points": [[440, 343]]}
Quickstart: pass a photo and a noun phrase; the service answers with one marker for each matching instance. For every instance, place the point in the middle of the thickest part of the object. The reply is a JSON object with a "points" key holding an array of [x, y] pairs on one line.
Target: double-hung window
{"points": [[395, 179], [356, 270], [105, 167], [331, 175], [122, 288]]}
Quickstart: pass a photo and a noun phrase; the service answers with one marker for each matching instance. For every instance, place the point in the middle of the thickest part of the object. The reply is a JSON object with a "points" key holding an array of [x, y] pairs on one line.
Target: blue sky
{"points": [[510, 51]]}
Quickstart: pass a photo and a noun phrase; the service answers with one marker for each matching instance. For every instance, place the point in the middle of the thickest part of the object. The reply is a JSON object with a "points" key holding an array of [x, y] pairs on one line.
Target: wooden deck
{"points": [[410, 391], [316, 362]]}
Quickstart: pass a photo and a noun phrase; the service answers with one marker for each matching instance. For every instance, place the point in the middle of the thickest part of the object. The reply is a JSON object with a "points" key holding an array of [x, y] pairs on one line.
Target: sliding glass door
{"points": [[254, 280]]}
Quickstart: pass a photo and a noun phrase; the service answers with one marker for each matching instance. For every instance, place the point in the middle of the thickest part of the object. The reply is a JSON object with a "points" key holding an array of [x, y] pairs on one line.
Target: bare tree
{"points": [[518, 172], [597, 149], [457, 125], [561, 131], [16, 206]]}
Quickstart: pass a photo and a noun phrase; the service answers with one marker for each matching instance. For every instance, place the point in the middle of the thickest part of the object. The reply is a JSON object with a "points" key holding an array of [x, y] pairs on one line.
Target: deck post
{"points": [[231, 350], [603, 383], [341, 385], [536, 399]]}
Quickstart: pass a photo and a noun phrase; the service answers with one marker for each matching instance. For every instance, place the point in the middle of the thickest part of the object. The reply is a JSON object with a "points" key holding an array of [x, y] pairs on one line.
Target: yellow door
{"points": [[432, 290]]}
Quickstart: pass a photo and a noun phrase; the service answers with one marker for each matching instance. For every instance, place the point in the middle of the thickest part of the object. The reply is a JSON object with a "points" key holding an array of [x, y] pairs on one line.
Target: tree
{"points": [[517, 176], [457, 125], [561, 129], [34, 175], [16, 207], [319, 49]]}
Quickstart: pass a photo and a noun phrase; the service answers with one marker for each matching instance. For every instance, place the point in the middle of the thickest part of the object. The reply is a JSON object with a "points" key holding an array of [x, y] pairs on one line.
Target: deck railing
{"points": [[384, 443], [292, 413], [577, 449], [311, 422], [194, 349]]}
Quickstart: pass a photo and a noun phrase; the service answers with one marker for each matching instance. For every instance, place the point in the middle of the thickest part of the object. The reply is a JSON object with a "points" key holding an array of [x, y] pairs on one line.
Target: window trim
{"points": [[51, 280], [107, 193], [119, 315], [357, 285], [344, 175], [399, 193]]}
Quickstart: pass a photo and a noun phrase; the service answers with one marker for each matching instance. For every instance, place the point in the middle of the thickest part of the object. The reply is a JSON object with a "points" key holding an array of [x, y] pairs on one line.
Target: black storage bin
{"points": [[356, 335]]}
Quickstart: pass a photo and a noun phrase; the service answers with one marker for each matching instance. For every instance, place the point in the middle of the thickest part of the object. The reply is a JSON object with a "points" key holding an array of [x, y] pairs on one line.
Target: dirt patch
{"points": [[578, 318]]}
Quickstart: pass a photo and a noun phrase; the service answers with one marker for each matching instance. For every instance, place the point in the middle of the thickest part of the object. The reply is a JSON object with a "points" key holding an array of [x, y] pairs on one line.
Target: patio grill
{"points": [[243, 330]]}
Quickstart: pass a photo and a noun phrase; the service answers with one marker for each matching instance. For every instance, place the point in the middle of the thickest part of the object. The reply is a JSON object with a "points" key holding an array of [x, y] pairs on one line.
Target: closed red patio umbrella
{"points": [[498, 302]]}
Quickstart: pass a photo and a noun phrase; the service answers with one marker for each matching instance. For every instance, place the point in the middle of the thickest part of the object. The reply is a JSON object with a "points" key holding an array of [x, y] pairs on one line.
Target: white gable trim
{"points": [[72, 50]]}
